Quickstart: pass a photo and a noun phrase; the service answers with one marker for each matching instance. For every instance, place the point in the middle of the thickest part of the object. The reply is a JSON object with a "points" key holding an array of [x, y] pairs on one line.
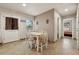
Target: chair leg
{"points": [[37, 48], [41, 48], [46, 45], [30, 44]]}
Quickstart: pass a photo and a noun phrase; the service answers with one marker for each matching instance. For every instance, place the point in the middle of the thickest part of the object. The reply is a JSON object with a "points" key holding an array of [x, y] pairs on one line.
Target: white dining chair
{"points": [[46, 39], [43, 41], [30, 40]]}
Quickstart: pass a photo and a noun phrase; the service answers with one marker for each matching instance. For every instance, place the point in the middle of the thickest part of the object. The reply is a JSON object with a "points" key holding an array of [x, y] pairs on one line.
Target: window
{"points": [[29, 24], [11, 23]]}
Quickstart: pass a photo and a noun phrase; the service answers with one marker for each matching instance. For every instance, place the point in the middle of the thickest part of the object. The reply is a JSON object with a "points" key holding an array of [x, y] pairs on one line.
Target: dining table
{"points": [[37, 34]]}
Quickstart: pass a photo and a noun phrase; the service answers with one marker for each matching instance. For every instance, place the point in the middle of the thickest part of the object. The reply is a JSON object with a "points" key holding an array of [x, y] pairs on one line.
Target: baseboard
{"points": [[22, 39], [54, 41], [49, 41], [12, 41], [62, 37]]}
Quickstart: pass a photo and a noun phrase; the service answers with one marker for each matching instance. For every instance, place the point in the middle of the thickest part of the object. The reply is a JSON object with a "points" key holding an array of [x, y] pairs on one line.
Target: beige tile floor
{"points": [[66, 46]]}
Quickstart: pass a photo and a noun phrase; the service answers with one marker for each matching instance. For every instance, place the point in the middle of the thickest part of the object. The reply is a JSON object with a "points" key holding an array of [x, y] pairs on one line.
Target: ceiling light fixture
{"points": [[23, 4], [66, 10]]}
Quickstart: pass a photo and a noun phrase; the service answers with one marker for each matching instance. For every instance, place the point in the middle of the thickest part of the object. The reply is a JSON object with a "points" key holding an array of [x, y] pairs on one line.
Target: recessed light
{"points": [[66, 9], [23, 4]]}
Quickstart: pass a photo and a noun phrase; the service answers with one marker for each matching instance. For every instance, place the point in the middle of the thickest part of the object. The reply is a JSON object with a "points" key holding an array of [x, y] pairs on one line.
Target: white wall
{"points": [[57, 18], [77, 23], [13, 35], [74, 28], [77, 26], [0, 29], [51, 28], [62, 28], [42, 26]]}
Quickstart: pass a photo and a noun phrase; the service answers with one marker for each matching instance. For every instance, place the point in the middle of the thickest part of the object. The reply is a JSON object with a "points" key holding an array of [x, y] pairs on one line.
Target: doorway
{"points": [[67, 28]]}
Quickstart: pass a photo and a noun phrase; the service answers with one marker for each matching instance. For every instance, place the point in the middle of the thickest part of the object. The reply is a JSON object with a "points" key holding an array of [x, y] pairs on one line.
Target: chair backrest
{"points": [[43, 38], [29, 36]]}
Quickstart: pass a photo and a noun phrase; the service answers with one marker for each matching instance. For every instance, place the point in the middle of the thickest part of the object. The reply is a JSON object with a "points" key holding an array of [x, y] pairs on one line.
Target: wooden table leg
{"points": [[37, 44]]}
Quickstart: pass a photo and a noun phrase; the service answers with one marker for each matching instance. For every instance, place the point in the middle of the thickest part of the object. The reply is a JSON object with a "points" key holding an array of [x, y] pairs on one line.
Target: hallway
{"points": [[65, 46]]}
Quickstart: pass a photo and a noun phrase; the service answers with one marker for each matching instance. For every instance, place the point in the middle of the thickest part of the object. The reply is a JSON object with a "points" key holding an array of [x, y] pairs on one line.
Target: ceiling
{"points": [[38, 8]]}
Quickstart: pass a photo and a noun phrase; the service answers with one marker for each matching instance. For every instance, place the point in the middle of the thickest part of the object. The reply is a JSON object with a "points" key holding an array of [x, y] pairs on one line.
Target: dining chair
{"points": [[30, 40], [45, 35], [43, 41]]}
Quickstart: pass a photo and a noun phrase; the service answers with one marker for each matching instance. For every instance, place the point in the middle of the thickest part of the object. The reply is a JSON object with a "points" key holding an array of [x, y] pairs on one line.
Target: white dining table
{"points": [[37, 34]]}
